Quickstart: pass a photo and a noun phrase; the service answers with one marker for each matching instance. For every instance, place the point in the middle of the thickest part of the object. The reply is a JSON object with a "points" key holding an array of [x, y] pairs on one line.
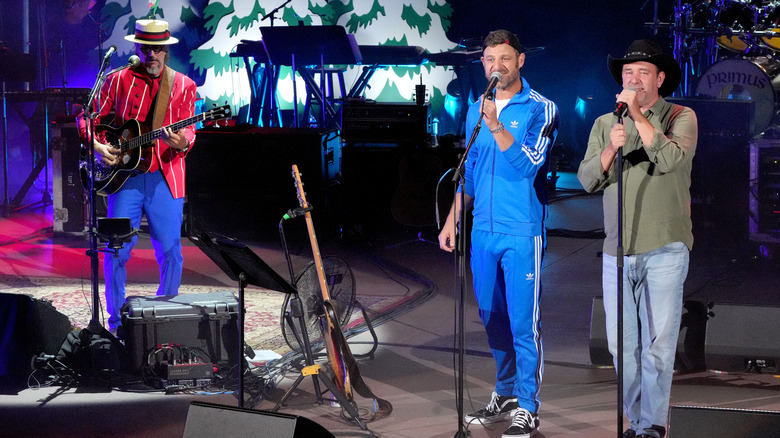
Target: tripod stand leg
{"points": [[289, 393], [316, 371], [308, 355], [345, 403]]}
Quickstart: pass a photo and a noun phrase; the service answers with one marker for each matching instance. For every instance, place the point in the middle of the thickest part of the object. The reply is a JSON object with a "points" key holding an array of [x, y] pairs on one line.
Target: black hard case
{"points": [[206, 322]]}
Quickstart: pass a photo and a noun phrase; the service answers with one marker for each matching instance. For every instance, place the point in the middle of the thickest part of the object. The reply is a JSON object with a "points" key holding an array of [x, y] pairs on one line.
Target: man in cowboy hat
{"points": [[156, 96], [658, 141]]}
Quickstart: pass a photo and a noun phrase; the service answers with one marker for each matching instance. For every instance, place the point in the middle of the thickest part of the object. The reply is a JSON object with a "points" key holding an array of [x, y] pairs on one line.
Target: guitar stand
{"points": [[316, 371]]}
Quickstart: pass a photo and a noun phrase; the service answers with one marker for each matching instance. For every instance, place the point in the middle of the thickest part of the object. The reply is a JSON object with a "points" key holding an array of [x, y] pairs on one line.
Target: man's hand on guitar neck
{"points": [[107, 153], [176, 140]]}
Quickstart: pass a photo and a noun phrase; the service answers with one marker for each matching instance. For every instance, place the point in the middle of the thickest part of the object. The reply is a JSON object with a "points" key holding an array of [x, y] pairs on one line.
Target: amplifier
{"points": [[764, 191], [376, 122], [69, 197]]}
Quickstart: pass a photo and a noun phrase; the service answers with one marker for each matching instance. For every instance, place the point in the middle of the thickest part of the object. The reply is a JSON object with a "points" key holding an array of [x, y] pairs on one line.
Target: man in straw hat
{"points": [[505, 174], [135, 93], [658, 141]]}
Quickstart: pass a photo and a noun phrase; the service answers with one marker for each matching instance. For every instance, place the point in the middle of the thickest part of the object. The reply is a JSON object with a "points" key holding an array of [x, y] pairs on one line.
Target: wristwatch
{"points": [[498, 128]]}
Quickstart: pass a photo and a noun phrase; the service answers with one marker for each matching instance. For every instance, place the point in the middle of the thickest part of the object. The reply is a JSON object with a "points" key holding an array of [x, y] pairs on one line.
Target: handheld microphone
{"points": [[494, 79], [111, 51], [621, 107]]}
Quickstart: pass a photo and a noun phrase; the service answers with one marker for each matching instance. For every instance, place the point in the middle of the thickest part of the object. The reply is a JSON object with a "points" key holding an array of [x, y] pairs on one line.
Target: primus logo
{"points": [[732, 77]]}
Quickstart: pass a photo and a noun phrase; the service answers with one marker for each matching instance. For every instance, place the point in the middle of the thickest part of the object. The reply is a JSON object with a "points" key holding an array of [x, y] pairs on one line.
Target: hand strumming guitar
{"points": [[106, 153]]}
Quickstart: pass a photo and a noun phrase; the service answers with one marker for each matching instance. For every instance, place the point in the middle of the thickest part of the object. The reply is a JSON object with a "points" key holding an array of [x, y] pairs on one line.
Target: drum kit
{"points": [[730, 49]]}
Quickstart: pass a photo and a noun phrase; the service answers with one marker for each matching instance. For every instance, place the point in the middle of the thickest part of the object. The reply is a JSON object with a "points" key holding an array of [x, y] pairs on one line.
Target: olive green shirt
{"points": [[656, 179]]}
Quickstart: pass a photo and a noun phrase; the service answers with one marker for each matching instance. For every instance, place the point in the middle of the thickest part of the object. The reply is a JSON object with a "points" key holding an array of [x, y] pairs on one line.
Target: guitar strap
{"points": [[163, 96]]}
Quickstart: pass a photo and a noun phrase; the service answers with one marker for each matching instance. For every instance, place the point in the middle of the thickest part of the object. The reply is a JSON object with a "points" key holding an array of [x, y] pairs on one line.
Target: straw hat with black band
{"points": [[152, 32]]}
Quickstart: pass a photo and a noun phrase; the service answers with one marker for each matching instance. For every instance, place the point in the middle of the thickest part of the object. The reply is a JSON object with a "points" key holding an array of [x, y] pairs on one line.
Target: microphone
{"points": [[132, 62], [111, 51], [494, 79], [621, 107]]}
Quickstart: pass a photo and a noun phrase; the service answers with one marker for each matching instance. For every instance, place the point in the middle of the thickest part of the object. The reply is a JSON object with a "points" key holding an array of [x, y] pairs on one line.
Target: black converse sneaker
{"points": [[499, 409], [523, 425]]}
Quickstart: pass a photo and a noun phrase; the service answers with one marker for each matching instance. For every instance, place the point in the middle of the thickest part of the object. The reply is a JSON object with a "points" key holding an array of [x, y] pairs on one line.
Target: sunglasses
{"points": [[156, 49]]}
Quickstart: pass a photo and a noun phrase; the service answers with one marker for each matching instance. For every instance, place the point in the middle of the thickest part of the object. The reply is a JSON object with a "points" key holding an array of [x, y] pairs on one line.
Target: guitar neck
{"points": [[150, 136], [315, 248]]}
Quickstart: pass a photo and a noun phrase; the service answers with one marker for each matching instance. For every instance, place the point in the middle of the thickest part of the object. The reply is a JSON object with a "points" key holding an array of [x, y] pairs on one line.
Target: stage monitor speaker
{"points": [[29, 327], [740, 337], [690, 343], [705, 422], [207, 420]]}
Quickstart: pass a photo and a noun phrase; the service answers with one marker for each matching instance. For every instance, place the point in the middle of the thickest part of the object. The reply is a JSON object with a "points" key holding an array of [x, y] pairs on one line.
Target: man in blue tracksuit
{"points": [[505, 181]]}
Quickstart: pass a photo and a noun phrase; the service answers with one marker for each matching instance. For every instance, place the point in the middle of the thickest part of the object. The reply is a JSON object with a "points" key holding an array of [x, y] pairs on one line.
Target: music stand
{"points": [[241, 264], [300, 46]]}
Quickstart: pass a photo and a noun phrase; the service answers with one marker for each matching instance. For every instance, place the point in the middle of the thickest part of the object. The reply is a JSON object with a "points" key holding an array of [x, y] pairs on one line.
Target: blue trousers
{"points": [[507, 284], [652, 308], [148, 194]]}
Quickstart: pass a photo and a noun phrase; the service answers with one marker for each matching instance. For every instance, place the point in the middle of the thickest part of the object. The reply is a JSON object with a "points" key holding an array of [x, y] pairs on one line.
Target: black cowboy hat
{"points": [[646, 50]]}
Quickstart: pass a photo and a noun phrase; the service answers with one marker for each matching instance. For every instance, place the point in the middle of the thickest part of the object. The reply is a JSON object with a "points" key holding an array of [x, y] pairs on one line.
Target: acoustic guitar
{"points": [[346, 373], [136, 148]]}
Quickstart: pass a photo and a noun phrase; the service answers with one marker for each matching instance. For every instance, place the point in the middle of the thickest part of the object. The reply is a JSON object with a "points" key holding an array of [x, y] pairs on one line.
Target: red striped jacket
{"points": [[130, 94]]}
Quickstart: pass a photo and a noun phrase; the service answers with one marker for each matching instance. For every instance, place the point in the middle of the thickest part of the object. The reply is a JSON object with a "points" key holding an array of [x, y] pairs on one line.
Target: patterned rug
{"points": [[262, 330]]}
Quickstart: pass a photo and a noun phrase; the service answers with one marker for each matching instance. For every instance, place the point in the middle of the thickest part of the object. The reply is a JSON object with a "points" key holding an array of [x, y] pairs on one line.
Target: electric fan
{"points": [[341, 288]]}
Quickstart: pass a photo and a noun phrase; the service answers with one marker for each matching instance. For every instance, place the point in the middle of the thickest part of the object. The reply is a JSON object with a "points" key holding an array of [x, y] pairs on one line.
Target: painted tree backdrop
{"points": [[210, 30]]}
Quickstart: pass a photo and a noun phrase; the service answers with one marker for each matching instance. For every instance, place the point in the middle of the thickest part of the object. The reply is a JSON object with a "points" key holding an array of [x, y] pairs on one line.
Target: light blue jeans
{"points": [[652, 307], [147, 193]]}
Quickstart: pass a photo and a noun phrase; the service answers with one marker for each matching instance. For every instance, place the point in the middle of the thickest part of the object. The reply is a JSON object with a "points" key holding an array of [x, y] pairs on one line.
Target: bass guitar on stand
{"points": [[136, 148], [346, 373]]}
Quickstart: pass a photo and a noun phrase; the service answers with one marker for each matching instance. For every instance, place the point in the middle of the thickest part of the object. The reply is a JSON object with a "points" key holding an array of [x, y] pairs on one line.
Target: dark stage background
{"points": [[568, 44]]}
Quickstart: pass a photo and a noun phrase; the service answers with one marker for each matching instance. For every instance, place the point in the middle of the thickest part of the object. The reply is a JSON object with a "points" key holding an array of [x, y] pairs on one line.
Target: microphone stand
{"points": [[272, 14], [619, 264], [93, 231], [460, 263]]}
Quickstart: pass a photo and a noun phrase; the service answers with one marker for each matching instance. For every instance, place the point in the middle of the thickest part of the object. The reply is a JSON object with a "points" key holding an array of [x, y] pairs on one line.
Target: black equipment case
{"points": [[206, 323]]}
